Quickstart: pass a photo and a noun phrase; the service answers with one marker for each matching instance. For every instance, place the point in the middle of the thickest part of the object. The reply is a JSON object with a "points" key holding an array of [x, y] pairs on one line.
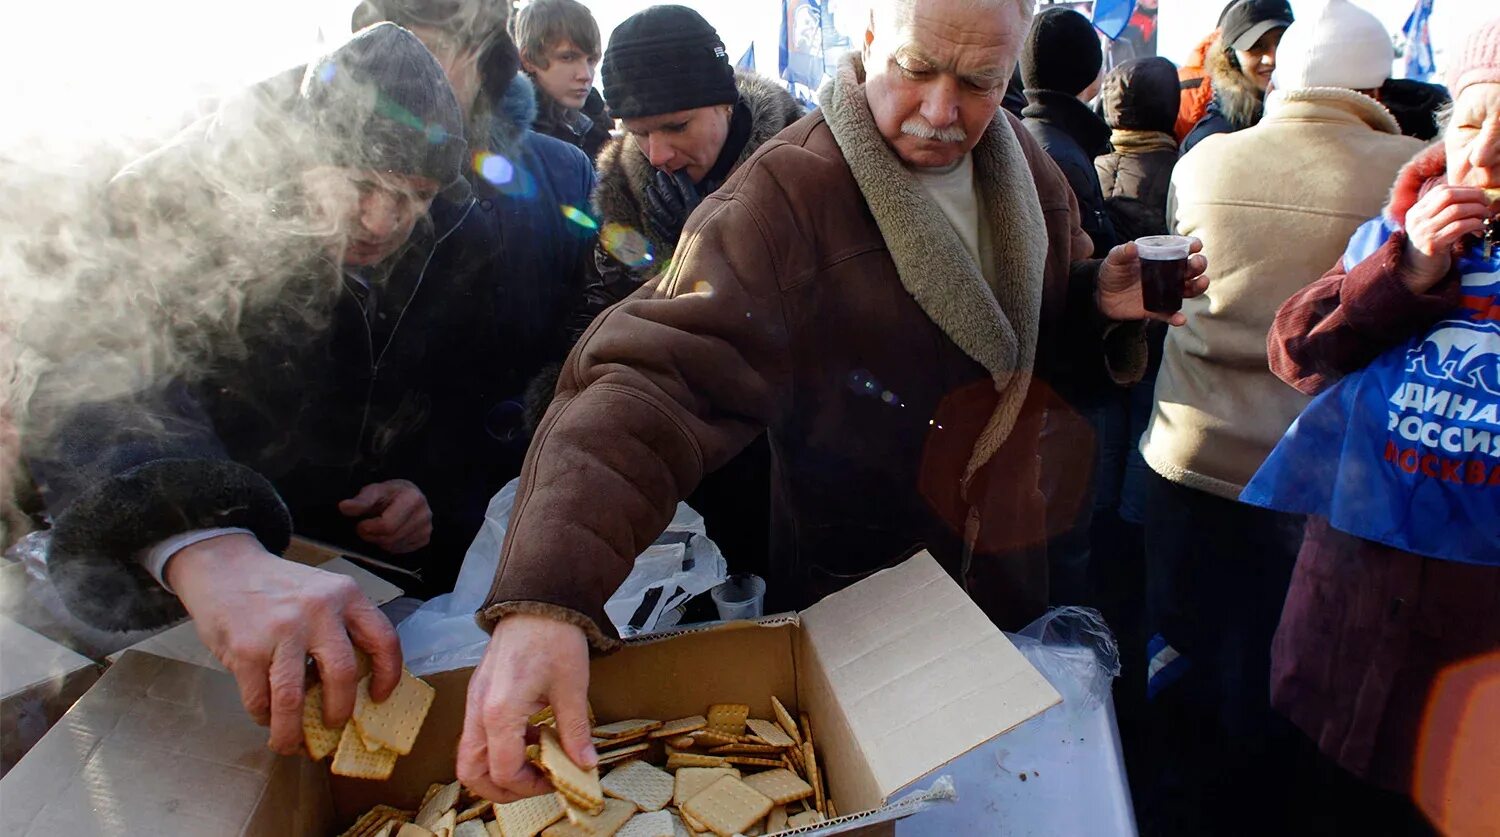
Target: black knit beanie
{"points": [[664, 60], [1062, 53], [381, 102]]}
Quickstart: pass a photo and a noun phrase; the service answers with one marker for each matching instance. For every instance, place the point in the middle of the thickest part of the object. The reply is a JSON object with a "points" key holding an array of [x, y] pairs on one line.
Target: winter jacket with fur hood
{"points": [[1237, 103], [823, 298], [316, 387], [1274, 206]]}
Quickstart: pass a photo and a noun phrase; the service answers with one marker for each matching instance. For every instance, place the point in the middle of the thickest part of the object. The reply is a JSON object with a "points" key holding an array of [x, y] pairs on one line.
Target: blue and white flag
{"points": [[1112, 16], [802, 48], [747, 61], [1420, 63]]}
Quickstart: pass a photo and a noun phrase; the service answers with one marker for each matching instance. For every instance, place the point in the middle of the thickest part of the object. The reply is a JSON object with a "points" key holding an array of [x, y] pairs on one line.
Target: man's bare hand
{"points": [[531, 662], [262, 617], [396, 516], [1119, 294]]}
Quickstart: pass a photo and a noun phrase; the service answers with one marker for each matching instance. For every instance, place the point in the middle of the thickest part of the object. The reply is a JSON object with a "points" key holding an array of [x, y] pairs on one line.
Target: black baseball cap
{"points": [[1244, 21]]}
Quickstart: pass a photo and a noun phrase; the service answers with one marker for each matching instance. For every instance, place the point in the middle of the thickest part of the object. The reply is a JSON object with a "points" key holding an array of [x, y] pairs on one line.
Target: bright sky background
{"points": [[92, 68]]}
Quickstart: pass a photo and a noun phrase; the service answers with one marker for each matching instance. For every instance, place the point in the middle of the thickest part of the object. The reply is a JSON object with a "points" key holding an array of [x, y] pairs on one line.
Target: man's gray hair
{"points": [[900, 11]]}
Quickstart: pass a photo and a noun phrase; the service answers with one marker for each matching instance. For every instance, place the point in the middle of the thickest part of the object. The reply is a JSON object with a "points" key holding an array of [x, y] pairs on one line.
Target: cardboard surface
{"points": [[156, 747], [919, 674], [181, 641]]}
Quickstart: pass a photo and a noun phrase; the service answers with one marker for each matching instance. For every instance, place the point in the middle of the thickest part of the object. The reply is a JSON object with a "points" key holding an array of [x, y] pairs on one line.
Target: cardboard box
{"points": [[180, 642], [39, 681], [900, 674]]}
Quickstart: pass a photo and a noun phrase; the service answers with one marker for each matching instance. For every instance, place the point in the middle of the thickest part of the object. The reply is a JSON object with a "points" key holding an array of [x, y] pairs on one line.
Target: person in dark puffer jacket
{"points": [[1139, 99], [1061, 59]]}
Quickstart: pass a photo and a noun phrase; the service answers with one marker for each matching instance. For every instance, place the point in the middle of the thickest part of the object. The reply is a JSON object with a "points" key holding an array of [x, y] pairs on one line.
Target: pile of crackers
{"points": [[367, 746], [722, 773]]}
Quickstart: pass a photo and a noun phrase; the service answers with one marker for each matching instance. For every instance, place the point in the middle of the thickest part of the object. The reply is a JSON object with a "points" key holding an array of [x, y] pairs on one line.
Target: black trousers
{"points": [[1217, 576]]}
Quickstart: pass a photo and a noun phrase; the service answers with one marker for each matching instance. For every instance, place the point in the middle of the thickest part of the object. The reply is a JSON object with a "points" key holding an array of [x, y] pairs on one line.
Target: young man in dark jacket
{"points": [[1062, 59], [560, 50]]}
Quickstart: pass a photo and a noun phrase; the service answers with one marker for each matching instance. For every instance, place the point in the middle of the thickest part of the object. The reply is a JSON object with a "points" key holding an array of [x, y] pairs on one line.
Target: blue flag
{"points": [[1420, 63], [1112, 16], [747, 61], [802, 42]]}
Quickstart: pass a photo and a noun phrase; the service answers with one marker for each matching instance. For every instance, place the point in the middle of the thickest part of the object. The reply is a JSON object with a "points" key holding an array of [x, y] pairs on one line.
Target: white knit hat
{"points": [[1336, 44]]}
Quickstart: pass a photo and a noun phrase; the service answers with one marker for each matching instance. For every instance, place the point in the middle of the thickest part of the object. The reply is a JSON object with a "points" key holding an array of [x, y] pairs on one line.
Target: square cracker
{"points": [[729, 807], [616, 813], [394, 724], [785, 719], [776, 820], [528, 817], [445, 824], [436, 805], [319, 739], [781, 785], [624, 729], [353, 760], [653, 824], [681, 726], [411, 829], [679, 828], [637, 782], [691, 781], [769, 732], [728, 717], [575, 782]]}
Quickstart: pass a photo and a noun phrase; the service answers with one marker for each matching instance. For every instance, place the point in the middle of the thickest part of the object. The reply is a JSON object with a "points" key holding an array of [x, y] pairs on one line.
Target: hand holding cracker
{"points": [[531, 662], [262, 617]]}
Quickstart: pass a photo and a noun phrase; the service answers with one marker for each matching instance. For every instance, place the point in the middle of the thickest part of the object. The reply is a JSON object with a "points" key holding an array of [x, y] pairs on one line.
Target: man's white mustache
{"points": [[918, 127]]}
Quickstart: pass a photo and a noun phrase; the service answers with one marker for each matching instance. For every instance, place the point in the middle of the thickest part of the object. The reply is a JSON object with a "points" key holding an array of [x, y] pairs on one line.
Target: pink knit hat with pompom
{"points": [[1478, 61]]}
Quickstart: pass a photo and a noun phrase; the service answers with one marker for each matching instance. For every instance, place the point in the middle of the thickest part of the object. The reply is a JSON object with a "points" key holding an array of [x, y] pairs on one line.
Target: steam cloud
{"points": [[117, 277]]}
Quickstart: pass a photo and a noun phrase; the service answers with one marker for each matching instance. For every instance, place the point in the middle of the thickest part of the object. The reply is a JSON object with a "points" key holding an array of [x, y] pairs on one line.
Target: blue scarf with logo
{"points": [[1406, 452]]}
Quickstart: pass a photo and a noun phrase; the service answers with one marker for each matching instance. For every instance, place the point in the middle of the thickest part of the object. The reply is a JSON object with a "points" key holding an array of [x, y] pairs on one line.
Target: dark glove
{"points": [[670, 199]]}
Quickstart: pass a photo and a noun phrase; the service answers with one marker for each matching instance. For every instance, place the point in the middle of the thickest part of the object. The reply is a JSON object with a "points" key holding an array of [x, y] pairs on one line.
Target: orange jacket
{"points": [[1197, 86]]}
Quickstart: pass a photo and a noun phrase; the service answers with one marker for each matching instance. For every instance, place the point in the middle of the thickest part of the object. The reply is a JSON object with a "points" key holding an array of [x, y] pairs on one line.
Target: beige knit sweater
{"points": [[1275, 206]]}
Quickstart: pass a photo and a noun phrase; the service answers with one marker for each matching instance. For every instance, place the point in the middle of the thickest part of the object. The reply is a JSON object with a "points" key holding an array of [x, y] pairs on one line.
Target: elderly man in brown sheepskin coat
{"points": [[890, 288]]}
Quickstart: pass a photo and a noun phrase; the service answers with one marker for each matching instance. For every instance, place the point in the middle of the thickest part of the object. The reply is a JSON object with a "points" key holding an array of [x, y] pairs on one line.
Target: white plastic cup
{"points": [[741, 596]]}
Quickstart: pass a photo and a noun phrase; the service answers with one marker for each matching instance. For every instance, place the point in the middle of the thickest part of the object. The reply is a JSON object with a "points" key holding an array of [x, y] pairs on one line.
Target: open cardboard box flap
{"points": [[900, 674], [915, 674]]}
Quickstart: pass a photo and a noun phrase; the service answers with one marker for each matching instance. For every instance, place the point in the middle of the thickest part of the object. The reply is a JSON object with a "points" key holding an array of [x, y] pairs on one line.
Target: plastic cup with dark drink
{"points": [[1164, 264]]}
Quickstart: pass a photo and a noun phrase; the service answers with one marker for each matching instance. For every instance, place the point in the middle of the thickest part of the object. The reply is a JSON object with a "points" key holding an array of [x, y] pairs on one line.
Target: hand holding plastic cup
{"points": [[741, 596], [1164, 265]]}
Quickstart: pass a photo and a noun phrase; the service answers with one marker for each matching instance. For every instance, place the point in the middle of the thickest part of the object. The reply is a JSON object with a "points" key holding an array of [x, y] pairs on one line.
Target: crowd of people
{"points": [[437, 259]]}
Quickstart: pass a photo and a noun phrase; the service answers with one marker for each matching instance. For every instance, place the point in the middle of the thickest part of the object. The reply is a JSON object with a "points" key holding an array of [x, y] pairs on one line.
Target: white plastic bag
{"points": [[441, 634]]}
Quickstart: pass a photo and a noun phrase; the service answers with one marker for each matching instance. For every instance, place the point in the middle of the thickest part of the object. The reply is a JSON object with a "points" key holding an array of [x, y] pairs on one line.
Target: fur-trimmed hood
{"points": [[1423, 172], [996, 326], [624, 172]]}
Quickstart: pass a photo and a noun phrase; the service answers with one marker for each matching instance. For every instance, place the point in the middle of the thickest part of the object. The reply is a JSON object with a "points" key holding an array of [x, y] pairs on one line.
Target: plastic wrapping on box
{"points": [[441, 634]]}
